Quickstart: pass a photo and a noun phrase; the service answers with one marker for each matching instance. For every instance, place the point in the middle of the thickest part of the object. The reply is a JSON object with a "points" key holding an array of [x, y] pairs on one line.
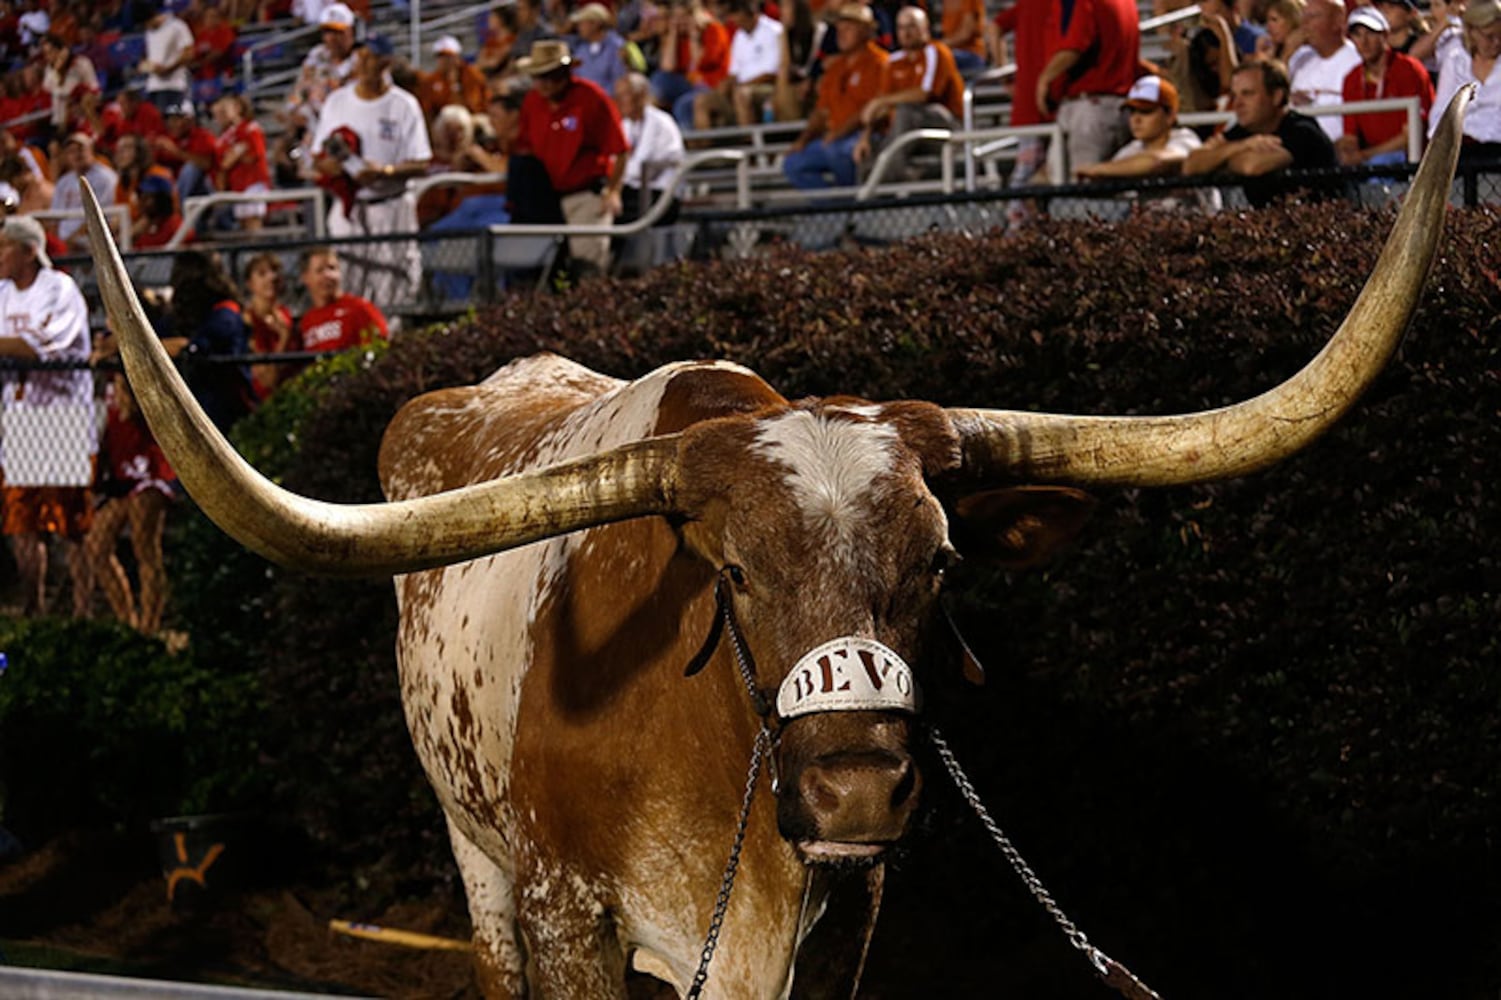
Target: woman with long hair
{"points": [[205, 322], [1476, 62], [1284, 30], [271, 328]]}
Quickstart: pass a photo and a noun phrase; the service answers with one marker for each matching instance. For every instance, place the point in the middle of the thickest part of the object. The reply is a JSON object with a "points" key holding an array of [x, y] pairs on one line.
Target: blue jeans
{"points": [[809, 168]]}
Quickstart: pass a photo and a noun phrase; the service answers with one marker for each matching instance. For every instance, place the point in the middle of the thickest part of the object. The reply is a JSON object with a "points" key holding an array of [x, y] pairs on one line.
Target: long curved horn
{"points": [[366, 539], [1235, 440]]}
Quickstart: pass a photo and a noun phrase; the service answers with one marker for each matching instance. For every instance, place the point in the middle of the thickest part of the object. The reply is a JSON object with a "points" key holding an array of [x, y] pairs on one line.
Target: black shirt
{"points": [[1310, 148]]}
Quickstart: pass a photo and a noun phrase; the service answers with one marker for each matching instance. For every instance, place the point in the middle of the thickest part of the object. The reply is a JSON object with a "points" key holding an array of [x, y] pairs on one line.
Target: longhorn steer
{"points": [[591, 791]]}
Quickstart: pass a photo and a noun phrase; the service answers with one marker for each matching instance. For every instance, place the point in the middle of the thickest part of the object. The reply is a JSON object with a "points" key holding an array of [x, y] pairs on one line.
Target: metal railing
{"points": [[196, 207], [45, 984], [247, 58], [117, 215]]}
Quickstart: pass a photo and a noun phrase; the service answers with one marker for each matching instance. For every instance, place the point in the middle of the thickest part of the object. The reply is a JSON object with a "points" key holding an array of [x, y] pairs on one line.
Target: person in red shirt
{"points": [[241, 158], [213, 45], [336, 320], [272, 329], [160, 219], [128, 114], [851, 80], [568, 161], [187, 149], [1380, 138], [1034, 26], [691, 31], [1090, 75]]}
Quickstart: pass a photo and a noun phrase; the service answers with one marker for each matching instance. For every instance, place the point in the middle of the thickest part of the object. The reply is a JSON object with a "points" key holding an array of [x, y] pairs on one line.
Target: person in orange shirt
{"points": [[452, 81], [850, 81], [922, 89], [964, 33], [695, 57]]}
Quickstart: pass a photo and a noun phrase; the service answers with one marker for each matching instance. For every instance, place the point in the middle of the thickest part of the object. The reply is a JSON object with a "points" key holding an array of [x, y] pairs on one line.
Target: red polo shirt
{"points": [[1035, 25], [1108, 34], [1404, 76], [576, 138], [347, 321]]}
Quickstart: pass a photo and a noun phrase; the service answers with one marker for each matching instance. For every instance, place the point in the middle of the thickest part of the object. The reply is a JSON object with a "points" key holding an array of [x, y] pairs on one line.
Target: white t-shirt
{"points": [[757, 52], [67, 195], [655, 141], [1179, 140], [165, 44], [1483, 119], [1318, 80], [53, 319], [391, 128]]}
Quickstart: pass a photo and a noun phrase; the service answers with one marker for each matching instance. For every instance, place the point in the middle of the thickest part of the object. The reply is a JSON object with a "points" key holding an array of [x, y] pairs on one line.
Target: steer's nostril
{"points": [[819, 792]]}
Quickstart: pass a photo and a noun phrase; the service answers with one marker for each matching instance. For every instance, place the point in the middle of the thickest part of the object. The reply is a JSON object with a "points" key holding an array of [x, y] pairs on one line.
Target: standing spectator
{"points": [[1318, 69], [1475, 62], [825, 149], [964, 33], [695, 57], [755, 58], [187, 149], [1093, 68], [1268, 137], [205, 321], [213, 45], [921, 89], [328, 66], [169, 50], [656, 147], [452, 81], [802, 38], [1379, 138], [600, 55], [137, 486], [43, 317], [570, 153], [336, 320], [272, 330], [241, 158], [1284, 30], [1034, 25], [1158, 146], [372, 139], [79, 163], [67, 75], [33, 23]]}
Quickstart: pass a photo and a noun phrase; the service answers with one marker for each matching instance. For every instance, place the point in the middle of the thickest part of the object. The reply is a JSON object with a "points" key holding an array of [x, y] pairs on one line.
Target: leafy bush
{"points": [[1224, 697]]}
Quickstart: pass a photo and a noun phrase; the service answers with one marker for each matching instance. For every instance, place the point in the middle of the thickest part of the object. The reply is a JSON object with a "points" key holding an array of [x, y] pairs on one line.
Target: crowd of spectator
{"points": [[581, 112]]}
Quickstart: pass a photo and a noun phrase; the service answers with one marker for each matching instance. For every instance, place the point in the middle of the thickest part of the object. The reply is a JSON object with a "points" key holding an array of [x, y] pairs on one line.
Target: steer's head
{"points": [[831, 548]]}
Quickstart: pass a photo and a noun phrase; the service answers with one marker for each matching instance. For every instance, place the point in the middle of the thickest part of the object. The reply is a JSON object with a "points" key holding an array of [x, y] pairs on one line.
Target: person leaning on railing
{"points": [[1380, 137], [1476, 63]]}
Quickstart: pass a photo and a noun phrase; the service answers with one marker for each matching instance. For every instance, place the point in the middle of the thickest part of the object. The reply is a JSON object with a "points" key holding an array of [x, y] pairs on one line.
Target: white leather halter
{"points": [[848, 674]]}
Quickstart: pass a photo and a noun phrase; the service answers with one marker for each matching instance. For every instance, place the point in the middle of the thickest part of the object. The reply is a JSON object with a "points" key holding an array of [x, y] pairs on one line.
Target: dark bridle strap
{"points": [[724, 616]]}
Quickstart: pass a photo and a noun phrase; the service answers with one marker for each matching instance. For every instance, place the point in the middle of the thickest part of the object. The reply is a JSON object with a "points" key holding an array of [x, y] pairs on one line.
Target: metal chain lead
{"points": [[1107, 968], [727, 883]]}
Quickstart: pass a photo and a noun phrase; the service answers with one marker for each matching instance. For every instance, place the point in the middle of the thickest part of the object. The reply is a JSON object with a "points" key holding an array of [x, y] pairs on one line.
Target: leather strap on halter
{"points": [[724, 617]]}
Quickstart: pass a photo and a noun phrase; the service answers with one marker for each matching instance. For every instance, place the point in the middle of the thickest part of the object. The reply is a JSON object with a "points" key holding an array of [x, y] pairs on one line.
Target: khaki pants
{"points": [[585, 208]]}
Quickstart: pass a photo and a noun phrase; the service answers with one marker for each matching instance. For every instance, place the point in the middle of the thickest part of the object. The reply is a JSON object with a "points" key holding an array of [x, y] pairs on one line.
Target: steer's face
{"points": [[822, 521]]}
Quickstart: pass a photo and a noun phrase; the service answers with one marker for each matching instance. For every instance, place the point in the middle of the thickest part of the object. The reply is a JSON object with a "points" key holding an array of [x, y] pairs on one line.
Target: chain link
{"points": [[761, 749], [1111, 971]]}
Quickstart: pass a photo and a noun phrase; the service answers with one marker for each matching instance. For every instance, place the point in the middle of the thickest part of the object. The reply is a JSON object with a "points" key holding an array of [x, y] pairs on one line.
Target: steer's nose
{"points": [[859, 798]]}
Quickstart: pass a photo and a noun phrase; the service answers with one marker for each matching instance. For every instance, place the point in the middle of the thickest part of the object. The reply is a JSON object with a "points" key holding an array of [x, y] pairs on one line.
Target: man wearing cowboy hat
{"points": [[823, 156], [570, 153], [600, 55]]}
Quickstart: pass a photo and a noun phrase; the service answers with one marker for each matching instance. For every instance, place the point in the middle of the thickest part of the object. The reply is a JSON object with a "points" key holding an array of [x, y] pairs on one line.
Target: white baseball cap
{"points": [[336, 15], [1367, 17], [447, 44]]}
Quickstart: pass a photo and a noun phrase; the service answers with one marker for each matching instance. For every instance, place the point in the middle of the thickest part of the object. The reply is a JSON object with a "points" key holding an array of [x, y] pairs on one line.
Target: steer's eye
{"points": [[737, 575], [946, 558]]}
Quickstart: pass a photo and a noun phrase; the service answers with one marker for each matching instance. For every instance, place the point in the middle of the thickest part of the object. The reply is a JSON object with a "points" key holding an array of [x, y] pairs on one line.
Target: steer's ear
{"points": [[1019, 526]]}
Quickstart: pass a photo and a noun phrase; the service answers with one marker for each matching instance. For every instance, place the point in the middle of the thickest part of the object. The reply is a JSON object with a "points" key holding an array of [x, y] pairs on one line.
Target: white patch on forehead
{"points": [[832, 465]]}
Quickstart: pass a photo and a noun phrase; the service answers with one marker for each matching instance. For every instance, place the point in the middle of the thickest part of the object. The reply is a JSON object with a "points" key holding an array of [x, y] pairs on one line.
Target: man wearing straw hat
{"points": [[570, 154]]}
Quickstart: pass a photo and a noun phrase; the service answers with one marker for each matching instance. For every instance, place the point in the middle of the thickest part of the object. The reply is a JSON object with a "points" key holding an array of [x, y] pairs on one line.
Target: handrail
{"points": [[30, 116], [972, 139], [118, 214], [247, 58], [193, 208], [442, 21], [1413, 107], [451, 178]]}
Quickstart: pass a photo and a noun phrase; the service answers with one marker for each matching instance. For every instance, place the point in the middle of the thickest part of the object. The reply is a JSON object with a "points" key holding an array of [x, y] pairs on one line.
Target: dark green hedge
{"points": [[1245, 728]]}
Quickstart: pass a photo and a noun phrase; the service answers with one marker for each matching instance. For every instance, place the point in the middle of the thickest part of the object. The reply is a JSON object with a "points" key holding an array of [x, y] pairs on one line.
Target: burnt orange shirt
{"points": [[931, 69], [953, 16], [849, 82]]}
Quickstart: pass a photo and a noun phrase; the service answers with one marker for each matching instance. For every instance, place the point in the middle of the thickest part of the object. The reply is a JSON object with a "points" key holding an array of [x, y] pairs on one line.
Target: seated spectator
{"points": [[656, 149], [1475, 62], [33, 191], [1245, 35], [1445, 33], [160, 216], [240, 158], [187, 149], [1284, 31], [1158, 147], [802, 39], [136, 487], [453, 136], [452, 81], [823, 155], [496, 41], [1318, 69], [335, 320], [205, 321], [964, 33], [1375, 139], [601, 55], [328, 66], [272, 329], [213, 46], [79, 163], [134, 163], [531, 27], [43, 317], [1407, 25], [482, 205], [755, 58], [128, 114], [1267, 139], [695, 57], [66, 78], [921, 89]]}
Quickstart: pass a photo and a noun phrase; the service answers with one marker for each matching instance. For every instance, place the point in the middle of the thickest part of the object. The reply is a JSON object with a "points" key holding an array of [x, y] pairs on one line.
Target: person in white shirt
{"points": [[1477, 61], [79, 162], [1158, 147], [371, 140], [1319, 68], [67, 74], [48, 454], [656, 148], [169, 49], [755, 59]]}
